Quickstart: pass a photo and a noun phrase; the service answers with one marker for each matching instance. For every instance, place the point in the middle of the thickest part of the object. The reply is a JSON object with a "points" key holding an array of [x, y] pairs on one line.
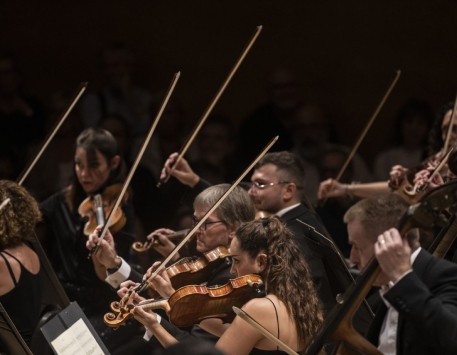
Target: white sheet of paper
{"points": [[77, 340]]}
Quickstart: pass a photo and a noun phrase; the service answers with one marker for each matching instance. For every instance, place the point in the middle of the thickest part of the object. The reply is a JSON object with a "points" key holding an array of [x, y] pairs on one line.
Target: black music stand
{"points": [[71, 332], [338, 273]]}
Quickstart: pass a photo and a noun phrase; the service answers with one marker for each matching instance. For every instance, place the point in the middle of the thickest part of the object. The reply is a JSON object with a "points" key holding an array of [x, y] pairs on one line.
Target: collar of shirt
{"points": [[282, 212]]}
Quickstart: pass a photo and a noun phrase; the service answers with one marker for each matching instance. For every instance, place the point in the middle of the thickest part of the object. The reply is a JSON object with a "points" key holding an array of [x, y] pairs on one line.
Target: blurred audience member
{"points": [[119, 94], [271, 118], [213, 158], [412, 124], [22, 119]]}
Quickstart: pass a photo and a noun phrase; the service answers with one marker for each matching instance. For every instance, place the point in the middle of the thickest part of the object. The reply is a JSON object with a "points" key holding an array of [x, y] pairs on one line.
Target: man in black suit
{"points": [[277, 185], [417, 313]]}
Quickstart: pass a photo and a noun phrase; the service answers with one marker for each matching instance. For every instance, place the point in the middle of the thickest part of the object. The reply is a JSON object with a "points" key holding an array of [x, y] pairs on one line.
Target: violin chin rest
{"points": [[220, 316]]}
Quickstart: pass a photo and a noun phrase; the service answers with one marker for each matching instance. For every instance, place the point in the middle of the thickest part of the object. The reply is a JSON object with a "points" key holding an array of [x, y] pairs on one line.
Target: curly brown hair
{"points": [[18, 217], [287, 275]]}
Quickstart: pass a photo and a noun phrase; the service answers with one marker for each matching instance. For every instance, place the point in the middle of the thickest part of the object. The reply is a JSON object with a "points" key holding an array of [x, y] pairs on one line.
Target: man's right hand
{"points": [[331, 188], [106, 254], [182, 171]]}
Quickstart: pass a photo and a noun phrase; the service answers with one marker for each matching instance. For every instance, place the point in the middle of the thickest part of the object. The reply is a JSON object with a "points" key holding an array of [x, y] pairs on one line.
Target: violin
{"points": [[123, 313], [96, 208], [193, 303], [412, 193], [141, 247], [194, 270]]}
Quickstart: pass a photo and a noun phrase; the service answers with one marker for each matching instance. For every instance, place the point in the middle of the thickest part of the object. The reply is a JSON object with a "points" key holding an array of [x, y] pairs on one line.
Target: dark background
{"points": [[345, 53]]}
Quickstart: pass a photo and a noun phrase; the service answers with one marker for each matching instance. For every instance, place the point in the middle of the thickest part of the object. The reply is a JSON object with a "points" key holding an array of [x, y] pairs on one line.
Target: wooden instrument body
{"points": [[191, 304]]}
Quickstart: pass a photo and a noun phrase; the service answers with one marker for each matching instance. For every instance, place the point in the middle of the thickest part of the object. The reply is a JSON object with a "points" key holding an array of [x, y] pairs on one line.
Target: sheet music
{"points": [[77, 340]]}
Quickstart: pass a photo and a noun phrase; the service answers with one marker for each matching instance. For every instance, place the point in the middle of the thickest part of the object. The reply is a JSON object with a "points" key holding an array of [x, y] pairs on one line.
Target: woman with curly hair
{"points": [[290, 309], [20, 291]]}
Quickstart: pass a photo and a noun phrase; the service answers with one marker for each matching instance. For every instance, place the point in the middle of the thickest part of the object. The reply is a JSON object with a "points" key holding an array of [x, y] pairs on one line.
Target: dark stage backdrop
{"points": [[345, 53]]}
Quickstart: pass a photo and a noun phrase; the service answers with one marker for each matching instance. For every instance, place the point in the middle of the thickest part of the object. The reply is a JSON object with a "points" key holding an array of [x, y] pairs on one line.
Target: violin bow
{"points": [[365, 130], [211, 105], [4, 203], [451, 125], [170, 256], [137, 160], [82, 88], [251, 321]]}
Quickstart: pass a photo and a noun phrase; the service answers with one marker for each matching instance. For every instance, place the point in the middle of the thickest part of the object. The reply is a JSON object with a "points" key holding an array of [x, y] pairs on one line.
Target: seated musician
{"points": [[330, 188], [20, 286], [418, 312], [290, 310], [276, 187], [217, 231]]}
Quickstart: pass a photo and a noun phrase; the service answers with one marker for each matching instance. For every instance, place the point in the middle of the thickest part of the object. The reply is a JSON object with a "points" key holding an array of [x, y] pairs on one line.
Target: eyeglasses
{"points": [[263, 185], [205, 224]]}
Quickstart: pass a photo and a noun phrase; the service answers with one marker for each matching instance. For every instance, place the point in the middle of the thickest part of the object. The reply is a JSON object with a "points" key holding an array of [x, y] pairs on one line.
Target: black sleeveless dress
{"points": [[23, 302]]}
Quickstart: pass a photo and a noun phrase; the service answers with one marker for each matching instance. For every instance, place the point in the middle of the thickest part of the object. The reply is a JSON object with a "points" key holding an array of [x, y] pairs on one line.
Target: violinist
{"points": [[330, 188], [418, 311], [98, 166], [20, 269], [217, 231], [276, 187], [290, 310]]}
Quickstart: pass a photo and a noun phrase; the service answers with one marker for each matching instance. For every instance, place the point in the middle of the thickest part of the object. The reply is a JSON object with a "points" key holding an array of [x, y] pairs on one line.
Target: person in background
{"points": [[412, 124]]}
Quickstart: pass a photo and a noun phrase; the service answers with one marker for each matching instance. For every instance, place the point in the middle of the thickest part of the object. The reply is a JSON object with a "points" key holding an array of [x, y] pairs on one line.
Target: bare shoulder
{"points": [[259, 306]]}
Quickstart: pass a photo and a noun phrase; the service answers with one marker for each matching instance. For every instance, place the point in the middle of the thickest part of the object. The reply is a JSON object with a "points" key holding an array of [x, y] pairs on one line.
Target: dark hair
{"points": [[289, 165], [93, 140], [18, 217], [287, 275]]}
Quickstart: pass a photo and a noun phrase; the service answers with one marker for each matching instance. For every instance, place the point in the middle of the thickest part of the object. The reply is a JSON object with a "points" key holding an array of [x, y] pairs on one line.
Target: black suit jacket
{"points": [[315, 261], [426, 300]]}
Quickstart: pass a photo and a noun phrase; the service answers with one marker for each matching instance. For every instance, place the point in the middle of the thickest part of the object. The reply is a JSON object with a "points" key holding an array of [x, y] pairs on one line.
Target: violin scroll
{"points": [[141, 247], [123, 313]]}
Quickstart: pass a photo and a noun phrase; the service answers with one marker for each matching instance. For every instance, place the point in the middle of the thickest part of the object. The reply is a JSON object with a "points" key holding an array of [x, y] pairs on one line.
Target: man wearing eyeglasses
{"points": [[277, 187]]}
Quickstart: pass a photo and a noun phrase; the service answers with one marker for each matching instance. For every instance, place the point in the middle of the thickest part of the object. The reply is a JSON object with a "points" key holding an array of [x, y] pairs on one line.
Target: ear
{"points": [[261, 261], [290, 190], [231, 235], [115, 161]]}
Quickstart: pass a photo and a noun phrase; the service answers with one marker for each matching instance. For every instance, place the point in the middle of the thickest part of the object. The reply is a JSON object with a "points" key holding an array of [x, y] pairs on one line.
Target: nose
{"points": [[354, 257], [232, 270]]}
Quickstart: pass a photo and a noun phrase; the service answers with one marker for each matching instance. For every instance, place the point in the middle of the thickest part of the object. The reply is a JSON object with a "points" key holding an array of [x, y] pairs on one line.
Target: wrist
{"points": [[115, 265], [348, 190], [396, 278], [195, 179]]}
